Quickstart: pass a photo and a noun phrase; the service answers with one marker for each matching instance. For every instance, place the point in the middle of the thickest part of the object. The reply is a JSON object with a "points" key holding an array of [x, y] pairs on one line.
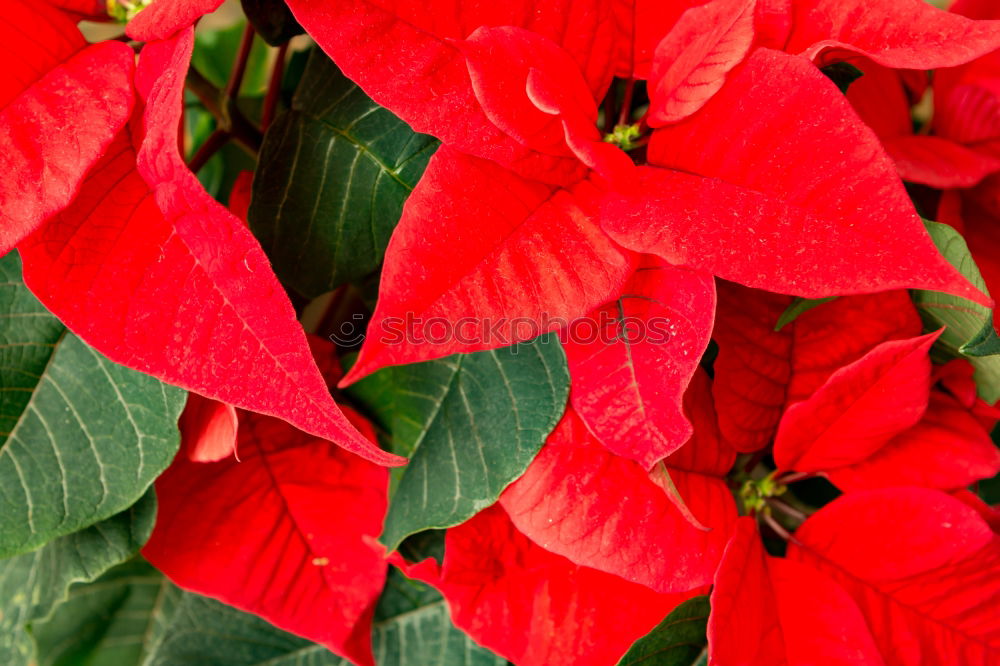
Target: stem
{"points": [[794, 477], [233, 120], [626, 110], [774, 525], [240, 66], [609, 111], [787, 509], [274, 88], [215, 141]]}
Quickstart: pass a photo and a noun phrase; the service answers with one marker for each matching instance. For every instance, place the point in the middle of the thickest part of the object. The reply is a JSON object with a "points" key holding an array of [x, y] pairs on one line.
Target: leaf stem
{"points": [[232, 121], [215, 141], [626, 111], [274, 88], [235, 82], [775, 525]]}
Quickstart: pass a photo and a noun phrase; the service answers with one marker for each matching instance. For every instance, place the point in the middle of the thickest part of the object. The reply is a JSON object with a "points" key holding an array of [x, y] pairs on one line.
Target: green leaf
{"points": [[81, 438], [31, 585], [470, 422], [414, 630], [969, 326], [114, 621], [798, 306], [679, 640], [334, 173]]}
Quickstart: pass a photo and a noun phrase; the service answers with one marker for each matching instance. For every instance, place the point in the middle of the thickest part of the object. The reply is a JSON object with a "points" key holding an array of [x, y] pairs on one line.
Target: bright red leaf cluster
{"points": [[684, 163]]}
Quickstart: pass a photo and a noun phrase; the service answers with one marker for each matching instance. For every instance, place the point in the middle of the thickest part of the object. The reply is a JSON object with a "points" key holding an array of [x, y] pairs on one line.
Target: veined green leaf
{"points": [[81, 438], [969, 326], [679, 640], [411, 628], [470, 422], [334, 173], [33, 584]]}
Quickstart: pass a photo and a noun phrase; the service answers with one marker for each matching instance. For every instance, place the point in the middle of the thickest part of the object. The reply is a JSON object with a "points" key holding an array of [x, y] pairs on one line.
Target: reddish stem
{"points": [[240, 66], [274, 89], [626, 110], [215, 141]]}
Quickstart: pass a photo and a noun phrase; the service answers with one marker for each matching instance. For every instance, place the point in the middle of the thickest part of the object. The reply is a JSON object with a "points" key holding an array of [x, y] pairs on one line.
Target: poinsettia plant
{"points": [[538, 332]]}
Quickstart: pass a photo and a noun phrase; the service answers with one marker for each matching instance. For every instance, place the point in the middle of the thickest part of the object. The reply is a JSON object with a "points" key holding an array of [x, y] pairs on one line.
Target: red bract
{"points": [[208, 428], [286, 532], [921, 566], [859, 408], [81, 94], [154, 273], [760, 371], [562, 504], [86, 9], [533, 606], [631, 361], [773, 612], [165, 18]]}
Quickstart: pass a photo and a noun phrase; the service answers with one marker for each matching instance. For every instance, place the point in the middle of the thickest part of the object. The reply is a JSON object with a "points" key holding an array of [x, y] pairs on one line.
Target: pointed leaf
{"points": [[677, 641], [561, 503], [535, 607], [903, 34], [947, 449], [771, 612], [691, 62], [859, 409], [297, 546], [632, 360], [417, 633], [760, 371], [472, 423], [427, 84], [765, 203], [81, 438], [965, 322], [483, 259], [154, 273], [33, 584], [53, 79], [334, 173], [116, 620], [165, 18], [922, 567]]}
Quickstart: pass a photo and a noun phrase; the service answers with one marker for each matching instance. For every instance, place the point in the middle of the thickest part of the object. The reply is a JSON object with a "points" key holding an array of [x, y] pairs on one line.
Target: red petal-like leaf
{"points": [[771, 612], [562, 503], [83, 9], [632, 360], [923, 567], [52, 79], [483, 258], [155, 274], [165, 18], [904, 34], [939, 162], [859, 409], [641, 24], [535, 607], [426, 81], [760, 371], [691, 62], [287, 533], [759, 198], [949, 448], [208, 429]]}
